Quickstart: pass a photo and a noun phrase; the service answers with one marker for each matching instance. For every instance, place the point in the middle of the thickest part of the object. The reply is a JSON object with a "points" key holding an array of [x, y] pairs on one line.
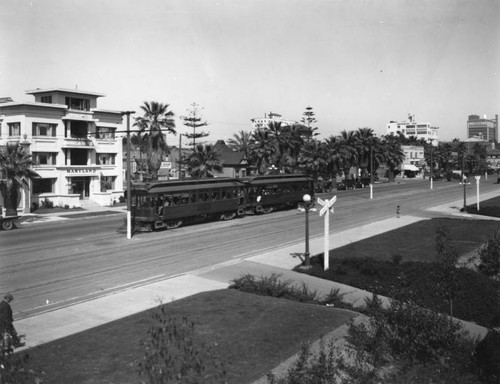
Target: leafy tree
{"points": [[16, 173], [194, 121], [157, 119], [204, 161]]}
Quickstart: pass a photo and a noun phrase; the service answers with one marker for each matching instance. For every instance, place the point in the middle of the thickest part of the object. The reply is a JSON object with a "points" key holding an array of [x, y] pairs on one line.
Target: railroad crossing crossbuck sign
{"points": [[327, 207]]}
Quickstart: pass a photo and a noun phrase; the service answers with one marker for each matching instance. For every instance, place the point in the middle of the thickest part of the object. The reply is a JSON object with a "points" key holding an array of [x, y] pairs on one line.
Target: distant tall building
{"points": [[263, 122], [413, 128], [482, 128]]}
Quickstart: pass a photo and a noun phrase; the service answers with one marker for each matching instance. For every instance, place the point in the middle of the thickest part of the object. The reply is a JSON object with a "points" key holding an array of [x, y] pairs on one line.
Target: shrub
{"points": [[310, 368], [272, 286], [173, 356], [489, 256], [15, 369], [404, 334]]}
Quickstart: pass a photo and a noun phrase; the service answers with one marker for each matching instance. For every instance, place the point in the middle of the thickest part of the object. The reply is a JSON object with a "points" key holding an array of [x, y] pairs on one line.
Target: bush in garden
{"points": [[489, 256], [310, 368], [14, 369], [173, 356], [272, 286]]}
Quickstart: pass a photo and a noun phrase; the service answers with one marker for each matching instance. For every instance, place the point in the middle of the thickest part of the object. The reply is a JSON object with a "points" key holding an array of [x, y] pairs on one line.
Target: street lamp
{"points": [[371, 172], [129, 198], [306, 207]]}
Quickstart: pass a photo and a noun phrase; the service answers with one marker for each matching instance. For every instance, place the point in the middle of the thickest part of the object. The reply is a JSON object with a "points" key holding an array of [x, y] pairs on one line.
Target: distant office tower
{"points": [[482, 128], [413, 128]]}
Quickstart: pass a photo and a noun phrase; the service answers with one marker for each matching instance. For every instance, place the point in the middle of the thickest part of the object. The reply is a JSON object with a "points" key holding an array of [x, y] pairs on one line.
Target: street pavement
{"points": [[54, 324]]}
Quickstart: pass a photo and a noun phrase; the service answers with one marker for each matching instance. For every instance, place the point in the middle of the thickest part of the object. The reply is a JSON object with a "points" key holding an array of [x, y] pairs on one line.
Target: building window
{"points": [[46, 99], [14, 129], [44, 158], [107, 182], [78, 104], [106, 158], [43, 186], [105, 133], [44, 129]]}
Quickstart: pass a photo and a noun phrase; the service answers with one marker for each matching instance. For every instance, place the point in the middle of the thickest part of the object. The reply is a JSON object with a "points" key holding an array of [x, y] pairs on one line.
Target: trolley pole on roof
{"points": [[129, 184]]}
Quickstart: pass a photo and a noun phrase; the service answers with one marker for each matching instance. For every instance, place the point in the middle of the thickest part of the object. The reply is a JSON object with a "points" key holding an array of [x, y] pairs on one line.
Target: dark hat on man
{"points": [[8, 296]]}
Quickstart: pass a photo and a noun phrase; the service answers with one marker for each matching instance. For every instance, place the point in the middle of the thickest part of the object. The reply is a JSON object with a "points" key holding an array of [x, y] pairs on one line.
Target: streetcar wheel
{"points": [[268, 209], [227, 216], [7, 225], [174, 224]]}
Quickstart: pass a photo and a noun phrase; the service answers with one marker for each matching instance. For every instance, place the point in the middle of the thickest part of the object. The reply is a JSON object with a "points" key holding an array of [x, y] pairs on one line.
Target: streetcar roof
{"points": [[257, 180], [192, 186]]}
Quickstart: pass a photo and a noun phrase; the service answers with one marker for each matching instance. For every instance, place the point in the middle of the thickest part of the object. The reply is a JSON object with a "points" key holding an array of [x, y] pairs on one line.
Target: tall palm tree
{"points": [[157, 119], [393, 154], [16, 172], [334, 160], [204, 161], [313, 158], [364, 147], [348, 153], [262, 150]]}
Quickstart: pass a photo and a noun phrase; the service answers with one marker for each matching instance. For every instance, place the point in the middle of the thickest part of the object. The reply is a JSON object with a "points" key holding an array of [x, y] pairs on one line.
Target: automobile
{"points": [[8, 222]]}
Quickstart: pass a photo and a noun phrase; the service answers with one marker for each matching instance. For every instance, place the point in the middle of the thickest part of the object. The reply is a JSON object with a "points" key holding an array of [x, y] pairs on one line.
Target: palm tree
{"points": [[348, 153], [16, 172], [334, 160], [393, 154], [262, 150], [313, 158], [364, 147], [204, 161], [157, 119], [240, 142]]}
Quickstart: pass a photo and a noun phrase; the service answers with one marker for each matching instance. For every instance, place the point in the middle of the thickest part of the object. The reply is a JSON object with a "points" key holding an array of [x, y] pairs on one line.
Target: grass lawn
{"points": [[416, 242], [251, 333]]}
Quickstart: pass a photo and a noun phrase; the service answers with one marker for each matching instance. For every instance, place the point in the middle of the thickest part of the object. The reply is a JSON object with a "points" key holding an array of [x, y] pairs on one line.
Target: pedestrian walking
{"points": [[10, 338]]}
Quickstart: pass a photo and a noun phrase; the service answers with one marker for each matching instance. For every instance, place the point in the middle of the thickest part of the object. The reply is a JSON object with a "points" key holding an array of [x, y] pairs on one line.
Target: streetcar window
{"points": [[215, 195], [193, 197]]}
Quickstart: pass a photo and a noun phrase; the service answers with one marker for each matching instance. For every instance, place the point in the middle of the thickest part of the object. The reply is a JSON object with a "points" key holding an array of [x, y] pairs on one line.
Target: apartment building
{"points": [[263, 122], [74, 144], [410, 127]]}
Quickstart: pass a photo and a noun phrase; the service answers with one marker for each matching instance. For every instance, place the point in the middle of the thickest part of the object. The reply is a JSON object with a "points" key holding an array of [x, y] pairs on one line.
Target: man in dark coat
{"points": [[6, 319]]}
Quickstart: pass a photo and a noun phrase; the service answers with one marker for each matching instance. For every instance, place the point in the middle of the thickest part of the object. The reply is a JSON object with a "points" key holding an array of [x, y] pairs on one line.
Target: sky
{"points": [[357, 63]]}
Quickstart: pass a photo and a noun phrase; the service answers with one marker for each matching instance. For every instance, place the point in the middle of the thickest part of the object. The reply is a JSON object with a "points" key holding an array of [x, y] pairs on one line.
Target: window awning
{"points": [[410, 167]]}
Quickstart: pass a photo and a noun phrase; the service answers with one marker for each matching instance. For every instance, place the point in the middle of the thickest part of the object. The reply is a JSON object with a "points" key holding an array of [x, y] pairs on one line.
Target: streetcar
{"points": [[172, 203]]}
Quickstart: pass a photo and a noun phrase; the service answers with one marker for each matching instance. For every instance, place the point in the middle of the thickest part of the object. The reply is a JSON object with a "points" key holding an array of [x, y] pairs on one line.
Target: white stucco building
{"points": [[410, 127], [263, 122], [74, 144]]}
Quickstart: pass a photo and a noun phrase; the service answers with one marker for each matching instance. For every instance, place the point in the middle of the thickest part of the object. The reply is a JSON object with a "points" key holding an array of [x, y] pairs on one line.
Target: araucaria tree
{"points": [[156, 122], [16, 172], [194, 121]]}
